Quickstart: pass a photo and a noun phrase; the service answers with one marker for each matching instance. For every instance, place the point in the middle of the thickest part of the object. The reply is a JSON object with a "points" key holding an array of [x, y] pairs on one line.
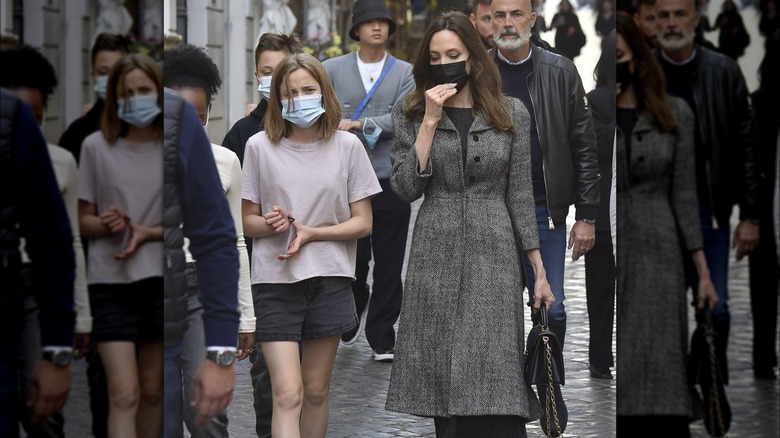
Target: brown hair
{"points": [[275, 126], [484, 79], [113, 42], [649, 85], [110, 124], [278, 42]]}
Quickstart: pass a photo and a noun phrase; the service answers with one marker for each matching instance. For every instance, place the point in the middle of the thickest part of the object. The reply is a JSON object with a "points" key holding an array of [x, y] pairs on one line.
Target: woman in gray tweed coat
{"points": [[658, 225], [464, 147]]}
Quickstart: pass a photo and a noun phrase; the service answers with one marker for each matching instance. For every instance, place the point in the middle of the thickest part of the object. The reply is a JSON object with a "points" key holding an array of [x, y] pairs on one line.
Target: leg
{"points": [[284, 365], [98, 392], [360, 287], [763, 299], [316, 370], [600, 291], [119, 361], [149, 420], [552, 245], [262, 391], [172, 417], [391, 226]]}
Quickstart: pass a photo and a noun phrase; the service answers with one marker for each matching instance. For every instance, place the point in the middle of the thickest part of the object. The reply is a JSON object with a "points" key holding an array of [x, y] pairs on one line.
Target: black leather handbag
{"points": [[544, 368], [706, 371]]}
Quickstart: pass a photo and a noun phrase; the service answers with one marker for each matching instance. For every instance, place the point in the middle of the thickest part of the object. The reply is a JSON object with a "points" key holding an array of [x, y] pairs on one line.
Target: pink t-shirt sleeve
{"points": [[250, 181], [87, 175], [362, 181]]}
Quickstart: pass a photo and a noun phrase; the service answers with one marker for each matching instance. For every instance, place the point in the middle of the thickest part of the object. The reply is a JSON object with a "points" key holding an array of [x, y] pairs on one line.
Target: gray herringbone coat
{"points": [[461, 334], [659, 224]]}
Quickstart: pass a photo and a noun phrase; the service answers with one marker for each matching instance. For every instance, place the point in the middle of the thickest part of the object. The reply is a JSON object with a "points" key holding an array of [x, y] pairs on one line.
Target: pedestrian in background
{"points": [[764, 260], [305, 223], [733, 38], [33, 82], [463, 147], [600, 261], [569, 37], [655, 175], [726, 148], [121, 211], [271, 49], [191, 72], [36, 212], [480, 18], [366, 112]]}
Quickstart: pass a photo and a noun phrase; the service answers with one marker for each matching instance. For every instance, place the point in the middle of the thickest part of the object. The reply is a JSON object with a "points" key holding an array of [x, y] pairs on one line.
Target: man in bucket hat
{"points": [[366, 112]]}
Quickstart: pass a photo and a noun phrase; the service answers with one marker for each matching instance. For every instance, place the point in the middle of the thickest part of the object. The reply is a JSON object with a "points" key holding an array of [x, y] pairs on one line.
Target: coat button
{"points": [[641, 159], [475, 137], [476, 159], [639, 137]]}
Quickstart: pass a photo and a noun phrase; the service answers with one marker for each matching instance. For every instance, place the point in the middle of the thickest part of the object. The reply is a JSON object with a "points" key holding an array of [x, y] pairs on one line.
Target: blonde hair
{"points": [[275, 126], [111, 126]]}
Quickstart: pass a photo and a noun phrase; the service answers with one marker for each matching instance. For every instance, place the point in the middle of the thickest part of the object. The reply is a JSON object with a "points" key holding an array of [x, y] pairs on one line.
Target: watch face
{"points": [[226, 358], [61, 358]]}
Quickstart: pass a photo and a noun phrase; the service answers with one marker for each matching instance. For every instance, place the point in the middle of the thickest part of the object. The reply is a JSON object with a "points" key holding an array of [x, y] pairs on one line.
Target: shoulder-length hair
{"points": [[277, 127], [649, 84], [111, 126], [484, 80]]}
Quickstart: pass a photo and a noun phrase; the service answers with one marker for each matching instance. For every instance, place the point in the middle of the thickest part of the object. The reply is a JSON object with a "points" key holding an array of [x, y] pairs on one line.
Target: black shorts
{"points": [[127, 311], [315, 308]]}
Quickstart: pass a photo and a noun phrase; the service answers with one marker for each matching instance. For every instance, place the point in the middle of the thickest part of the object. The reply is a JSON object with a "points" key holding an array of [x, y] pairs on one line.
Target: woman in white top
{"points": [[121, 212], [305, 200]]}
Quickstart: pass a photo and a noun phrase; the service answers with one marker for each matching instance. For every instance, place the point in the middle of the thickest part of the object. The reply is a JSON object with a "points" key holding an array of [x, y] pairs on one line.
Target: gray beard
{"points": [[513, 45], [676, 43]]}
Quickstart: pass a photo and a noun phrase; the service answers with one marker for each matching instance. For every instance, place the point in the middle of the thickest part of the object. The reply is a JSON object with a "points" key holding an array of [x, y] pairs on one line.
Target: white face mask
{"points": [[100, 86], [371, 134], [265, 86]]}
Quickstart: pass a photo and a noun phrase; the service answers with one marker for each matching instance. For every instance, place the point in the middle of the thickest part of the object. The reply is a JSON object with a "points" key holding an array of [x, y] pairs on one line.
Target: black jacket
{"points": [[566, 135], [602, 101], [728, 133], [236, 138], [77, 131]]}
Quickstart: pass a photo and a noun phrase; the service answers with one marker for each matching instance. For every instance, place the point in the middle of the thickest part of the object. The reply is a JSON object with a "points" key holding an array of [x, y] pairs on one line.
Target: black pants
{"points": [[487, 426], [653, 425], [600, 290], [387, 242], [763, 293]]}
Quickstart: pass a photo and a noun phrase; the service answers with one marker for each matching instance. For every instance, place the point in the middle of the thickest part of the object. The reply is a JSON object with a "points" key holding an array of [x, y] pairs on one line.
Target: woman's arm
{"points": [[706, 293], [542, 290], [359, 225], [95, 226], [261, 225]]}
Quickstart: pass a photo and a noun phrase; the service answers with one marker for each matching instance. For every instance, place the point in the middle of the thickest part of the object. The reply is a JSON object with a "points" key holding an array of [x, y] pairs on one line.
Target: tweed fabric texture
{"points": [[461, 332], [658, 225]]}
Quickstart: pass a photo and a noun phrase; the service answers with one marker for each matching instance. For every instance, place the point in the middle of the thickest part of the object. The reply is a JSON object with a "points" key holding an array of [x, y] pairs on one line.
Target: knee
{"points": [[124, 398], [288, 397], [152, 396], [316, 394]]}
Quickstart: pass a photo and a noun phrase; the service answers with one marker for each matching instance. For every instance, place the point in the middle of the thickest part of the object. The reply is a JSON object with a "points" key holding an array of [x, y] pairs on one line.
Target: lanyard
{"points": [[390, 62]]}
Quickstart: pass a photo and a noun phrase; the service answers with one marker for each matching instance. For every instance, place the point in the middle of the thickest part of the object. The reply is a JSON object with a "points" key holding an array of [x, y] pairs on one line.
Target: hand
{"points": [[303, 235], [349, 125], [49, 387], [246, 342], [706, 294], [138, 235], [114, 219], [213, 390], [542, 293], [278, 220], [435, 98], [80, 345], [745, 238], [582, 238]]}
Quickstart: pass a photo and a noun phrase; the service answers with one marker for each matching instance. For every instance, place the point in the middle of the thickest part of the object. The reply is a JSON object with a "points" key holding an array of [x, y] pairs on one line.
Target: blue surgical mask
{"points": [[100, 86], [306, 110], [139, 111], [373, 133], [265, 86]]}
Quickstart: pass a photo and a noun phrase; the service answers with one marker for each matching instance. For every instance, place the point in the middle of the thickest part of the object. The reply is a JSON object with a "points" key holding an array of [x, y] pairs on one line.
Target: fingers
{"points": [[440, 93]]}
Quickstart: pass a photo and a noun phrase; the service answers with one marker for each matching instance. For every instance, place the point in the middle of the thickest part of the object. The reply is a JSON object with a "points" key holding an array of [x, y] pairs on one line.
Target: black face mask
{"points": [[623, 75], [453, 73]]}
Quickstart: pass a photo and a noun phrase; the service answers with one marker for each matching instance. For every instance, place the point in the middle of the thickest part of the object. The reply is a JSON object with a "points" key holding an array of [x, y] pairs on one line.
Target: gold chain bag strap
{"points": [[707, 372], [544, 368]]}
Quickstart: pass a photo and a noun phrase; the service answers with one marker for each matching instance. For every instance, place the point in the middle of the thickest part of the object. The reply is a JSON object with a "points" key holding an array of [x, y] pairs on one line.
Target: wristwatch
{"points": [[589, 221], [753, 221], [223, 358], [59, 358]]}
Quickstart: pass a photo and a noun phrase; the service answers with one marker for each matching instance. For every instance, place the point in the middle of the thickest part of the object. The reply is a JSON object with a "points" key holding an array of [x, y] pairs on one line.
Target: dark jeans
{"points": [[552, 245], [172, 393], [600, 290], [488, 426], [193, 352], [387, 243]]}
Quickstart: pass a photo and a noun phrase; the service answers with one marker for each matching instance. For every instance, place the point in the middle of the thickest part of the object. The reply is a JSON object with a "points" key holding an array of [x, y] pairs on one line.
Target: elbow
{"points": [[365, 228]]}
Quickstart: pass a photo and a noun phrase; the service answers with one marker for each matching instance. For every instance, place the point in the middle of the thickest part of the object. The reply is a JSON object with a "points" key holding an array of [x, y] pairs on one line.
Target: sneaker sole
{"points": [[361, 327], [383, 357]]}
